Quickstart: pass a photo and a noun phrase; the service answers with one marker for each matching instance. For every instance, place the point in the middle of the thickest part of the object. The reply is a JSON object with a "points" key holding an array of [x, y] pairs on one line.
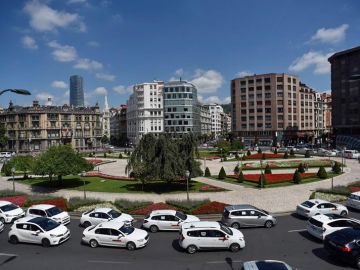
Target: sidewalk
{"points": [[275, 200]]}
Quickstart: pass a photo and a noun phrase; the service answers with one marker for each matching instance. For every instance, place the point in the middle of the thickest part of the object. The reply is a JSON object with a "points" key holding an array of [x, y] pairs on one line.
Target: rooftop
{"points": [[352, 50]]}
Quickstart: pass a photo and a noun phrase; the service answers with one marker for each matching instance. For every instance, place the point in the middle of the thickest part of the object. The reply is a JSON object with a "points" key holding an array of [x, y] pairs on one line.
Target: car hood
{"points": [[15, 212], [61, 215], [191, 218], [124, 217], [236, 233], [137, 234], [59, 230]]}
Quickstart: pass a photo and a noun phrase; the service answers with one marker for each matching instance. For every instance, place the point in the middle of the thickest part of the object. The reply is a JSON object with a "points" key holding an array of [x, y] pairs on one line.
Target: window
{"points": [[279, 79], [267, 80], [103, 231]]}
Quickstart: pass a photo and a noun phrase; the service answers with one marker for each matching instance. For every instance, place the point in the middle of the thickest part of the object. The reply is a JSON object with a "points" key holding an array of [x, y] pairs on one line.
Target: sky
{"points": [[115, 44]]}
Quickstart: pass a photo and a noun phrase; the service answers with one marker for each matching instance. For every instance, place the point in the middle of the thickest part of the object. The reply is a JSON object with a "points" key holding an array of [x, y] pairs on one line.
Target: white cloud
{"points": [[207, 81], [105, 77], [179, 72], [330, 35], [43, 18], [44, 96], [314, 59], [62, 53], [88, 64], [67, 93], [29, 42], [76, 1], [59, 84], [93, 44], [121, 89], [99, 91], [214, 99], [244, 73]]}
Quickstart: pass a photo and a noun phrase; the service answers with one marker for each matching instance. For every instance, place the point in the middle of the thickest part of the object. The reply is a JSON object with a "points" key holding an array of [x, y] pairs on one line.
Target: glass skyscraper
{"points": [[76, 91]]}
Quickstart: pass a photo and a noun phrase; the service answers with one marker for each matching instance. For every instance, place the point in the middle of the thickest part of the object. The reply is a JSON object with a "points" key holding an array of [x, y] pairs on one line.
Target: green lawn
{"points": [[117, 186]]}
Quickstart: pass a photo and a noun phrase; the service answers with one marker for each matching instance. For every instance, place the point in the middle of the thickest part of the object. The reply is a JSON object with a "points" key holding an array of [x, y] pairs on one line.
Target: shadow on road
{"points": [[295, 215], [176, 246], [322, 254], [308, 236]]}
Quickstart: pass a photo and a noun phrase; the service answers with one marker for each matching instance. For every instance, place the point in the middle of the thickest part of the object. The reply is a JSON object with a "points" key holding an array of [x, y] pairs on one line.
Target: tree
{"points": [[236, 169], [241, 177], [301, 168], [275, 151], [307, 154], [322, 174], [286, 155], [297, 177], [259, 151], [60, 161], [22, 163], [248, 153], [336, 168], [222, 173], [262, 181], [3, 138], [120, 155], [207, 172], [104, 139], [6, 169], [267, 169], [224, 145], [237, 145], [292, 152]]}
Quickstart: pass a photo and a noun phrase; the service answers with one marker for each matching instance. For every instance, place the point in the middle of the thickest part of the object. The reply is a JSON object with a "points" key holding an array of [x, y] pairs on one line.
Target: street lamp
{"points": [[332, 175], [83, 173], [16, 91], [13, 179], [187, 173]]}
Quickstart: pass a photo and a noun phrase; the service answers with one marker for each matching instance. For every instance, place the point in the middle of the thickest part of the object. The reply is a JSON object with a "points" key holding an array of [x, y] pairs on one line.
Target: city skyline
{"points": [[69, 37]]}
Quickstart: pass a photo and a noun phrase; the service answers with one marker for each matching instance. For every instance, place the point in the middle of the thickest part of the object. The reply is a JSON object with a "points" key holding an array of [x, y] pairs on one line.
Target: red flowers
{"points": [[206, 188], [108, 176], [354, 189], [18, 200], [94, 161], [272, 178], [156, 206], [210, 208], [266, 155]]}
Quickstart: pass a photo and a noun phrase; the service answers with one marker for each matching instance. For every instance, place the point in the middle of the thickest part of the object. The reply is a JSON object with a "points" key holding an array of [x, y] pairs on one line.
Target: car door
{"points": [[97, 218], [161, 222], [219, 239], [260, 218], [117, 238], [103, 236], [205, 239], [36, 234], [253, 218], [322, 209], [243, 217], [24, 232], [172, 222]]}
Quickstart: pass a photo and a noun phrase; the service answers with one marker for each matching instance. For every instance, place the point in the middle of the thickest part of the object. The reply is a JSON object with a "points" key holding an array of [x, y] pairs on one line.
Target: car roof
{"points": [[327, 217], [265, 265], [240, 207], [163, 212], [317, 201], [357, 193], [42, 206], [31, 219], [112, 224], [2, 203], [103, 209], [200, 225]]}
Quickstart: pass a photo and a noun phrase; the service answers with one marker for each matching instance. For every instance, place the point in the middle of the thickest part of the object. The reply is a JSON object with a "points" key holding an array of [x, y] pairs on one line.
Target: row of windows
{"points": [[177, 89], [178, 96], [268, 80]]}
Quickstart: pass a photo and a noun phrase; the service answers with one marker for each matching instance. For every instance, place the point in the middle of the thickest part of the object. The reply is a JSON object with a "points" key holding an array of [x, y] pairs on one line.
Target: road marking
{"points": [[110, 262], [300, 230], [224, 262], [8, 255]]}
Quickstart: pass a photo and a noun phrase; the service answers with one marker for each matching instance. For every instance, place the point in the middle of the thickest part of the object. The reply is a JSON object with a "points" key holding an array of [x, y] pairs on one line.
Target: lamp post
{"points": [[332, 175], [261, 175], [187, 173], [83, 173], [16, 91], [13, 178]]}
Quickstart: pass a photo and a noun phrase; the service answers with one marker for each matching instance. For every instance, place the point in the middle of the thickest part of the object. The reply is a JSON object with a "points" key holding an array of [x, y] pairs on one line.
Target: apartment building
{"points": [[36, 128], [205, 120], [181, 108], [145, 110], [272, 107], [225, 123], [118, 125], [216, 112]]}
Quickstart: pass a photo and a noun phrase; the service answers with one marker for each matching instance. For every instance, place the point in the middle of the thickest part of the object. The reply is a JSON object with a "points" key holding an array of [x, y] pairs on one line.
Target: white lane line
{"points": [[8, 255], [224, 262], [300, 230], [110, 262]]}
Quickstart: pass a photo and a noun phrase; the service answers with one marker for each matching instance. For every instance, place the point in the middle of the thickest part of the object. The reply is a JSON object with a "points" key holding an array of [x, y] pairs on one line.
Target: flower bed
{"points": [[272, 178], [210, 208], [210, 188], [108, 176], [18, 200], [212, 157], [156, 206], [288, 164], [354, 189], [261, 155], [59, 202], [94, 161]]}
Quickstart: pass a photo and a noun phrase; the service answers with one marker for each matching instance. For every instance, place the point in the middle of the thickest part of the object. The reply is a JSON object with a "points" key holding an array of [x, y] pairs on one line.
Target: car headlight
{"points": [[53, 235], [141, 240]]}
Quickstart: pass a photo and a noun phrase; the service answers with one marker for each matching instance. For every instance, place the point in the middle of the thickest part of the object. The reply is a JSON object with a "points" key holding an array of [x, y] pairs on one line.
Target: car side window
{"points": [[33, 211], [321, 206], [104, 216], [42, 213], [114, 232], [236, 213], [102, 231], [156, 218], [95, 215], [23, 227], [257, 213], [204, 233], [193, 233], [253, 213], [329, 205], [170, 218], [339, 223], [34, 228], [216, 233]]}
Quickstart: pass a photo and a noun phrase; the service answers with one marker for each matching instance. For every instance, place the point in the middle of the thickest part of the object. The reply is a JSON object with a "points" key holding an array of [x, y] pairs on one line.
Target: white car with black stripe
{"points": [[10, 212], [50, 211], [99, 215]]}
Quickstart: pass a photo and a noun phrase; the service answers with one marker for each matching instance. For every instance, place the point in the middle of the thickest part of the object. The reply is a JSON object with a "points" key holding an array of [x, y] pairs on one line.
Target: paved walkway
{"points": [[281, 199]]}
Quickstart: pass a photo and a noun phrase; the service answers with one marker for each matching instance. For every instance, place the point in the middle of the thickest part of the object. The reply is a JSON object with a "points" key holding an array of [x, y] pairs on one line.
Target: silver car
{"points": [[267, 264], [245, 215]]}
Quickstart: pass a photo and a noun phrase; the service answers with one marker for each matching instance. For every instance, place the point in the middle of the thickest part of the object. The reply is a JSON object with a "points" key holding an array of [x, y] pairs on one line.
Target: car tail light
{"points": [[345, 249]]}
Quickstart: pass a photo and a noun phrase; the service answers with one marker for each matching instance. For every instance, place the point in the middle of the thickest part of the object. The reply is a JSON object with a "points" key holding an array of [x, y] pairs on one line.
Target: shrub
{"points": [[187, 206], [9, 193], [36, 199], [322, 174], [312, 195], [307, 154], [262, 181], [6, 169], [126, 205], [275, 151], [237, 156], [207, 172], [301, 168], [292, 152], [241, 177], [336, 168], [104, 155], [286, 155], [297, 177], [267, 169], [120, 155], [222, 173], [248, 153], [259, 151], [338, 190], [225, 159], [76, 202], [236, 169]]}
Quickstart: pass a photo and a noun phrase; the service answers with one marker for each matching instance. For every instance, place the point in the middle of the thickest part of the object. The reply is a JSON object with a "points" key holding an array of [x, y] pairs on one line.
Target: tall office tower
{"points": [[76, 91]]}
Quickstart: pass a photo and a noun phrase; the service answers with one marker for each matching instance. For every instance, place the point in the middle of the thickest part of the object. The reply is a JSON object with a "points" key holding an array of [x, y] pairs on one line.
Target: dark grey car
{"points": [[244, 215]]}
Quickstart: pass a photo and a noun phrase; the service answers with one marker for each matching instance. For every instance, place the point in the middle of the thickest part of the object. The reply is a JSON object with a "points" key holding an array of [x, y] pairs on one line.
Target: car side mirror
{"points": [[37, 232], [109, 218]]}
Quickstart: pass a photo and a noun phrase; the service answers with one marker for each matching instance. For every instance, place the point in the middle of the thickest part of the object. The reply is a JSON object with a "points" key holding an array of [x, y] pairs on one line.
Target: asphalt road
{"points": [[288, 241]]}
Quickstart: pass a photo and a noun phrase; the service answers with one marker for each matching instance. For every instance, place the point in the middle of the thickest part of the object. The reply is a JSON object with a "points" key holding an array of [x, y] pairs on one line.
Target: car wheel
{"points": [[2, 220], [93, 243], [191, 249], [45, 242], [86, 224], [235, 225], [234, 247], [154, 228], [268, 224], [343, 213], [13, 240], [358, 263], [131, 246]]}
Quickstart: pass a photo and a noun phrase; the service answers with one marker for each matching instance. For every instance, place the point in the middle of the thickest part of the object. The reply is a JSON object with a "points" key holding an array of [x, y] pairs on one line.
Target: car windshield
{"points": [[127, 229], [271, 266], [53, 211], [181, 215], [226, 229], [8, 207], [114, 214], [266, 212], [308, 204], [47, 224]]}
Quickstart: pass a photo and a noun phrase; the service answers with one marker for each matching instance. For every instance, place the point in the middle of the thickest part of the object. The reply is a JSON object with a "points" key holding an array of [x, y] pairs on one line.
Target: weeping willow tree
{"points": [[163, 158]]}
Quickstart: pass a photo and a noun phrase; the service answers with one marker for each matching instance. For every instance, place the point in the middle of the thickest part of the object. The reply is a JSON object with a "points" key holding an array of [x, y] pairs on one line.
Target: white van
{"points": [[351, 154]]}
